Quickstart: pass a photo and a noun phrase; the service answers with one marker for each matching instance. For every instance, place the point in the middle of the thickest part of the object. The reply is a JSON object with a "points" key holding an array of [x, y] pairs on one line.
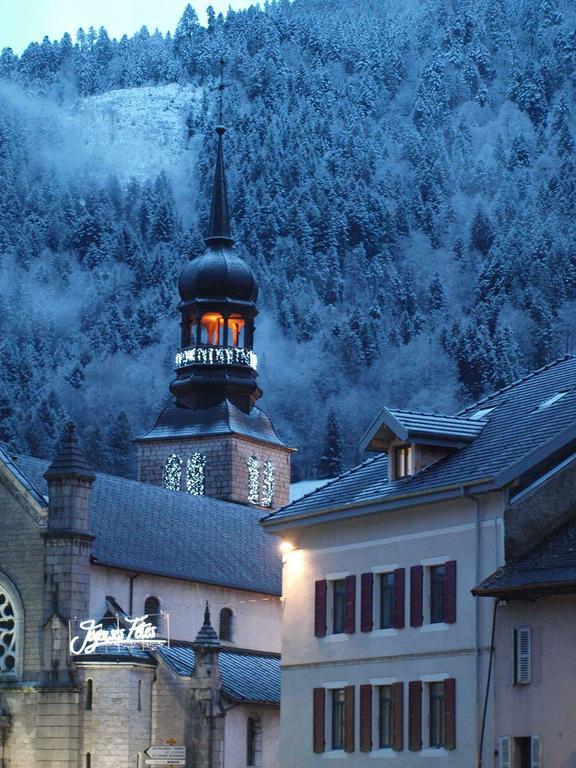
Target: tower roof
{"points": [[219, 232], [207, 637], [69, 461]]}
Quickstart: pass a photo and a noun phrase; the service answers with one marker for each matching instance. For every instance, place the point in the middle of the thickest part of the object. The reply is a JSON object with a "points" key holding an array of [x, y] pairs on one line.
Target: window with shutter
{"points": [[398, 717], [415, 715], [318, 722], [505, 752], [366, 602], [522, 656], [399, 590], [416, 595], [450, 713], [437, 593], [321, 590], [349, 718], [350, 605], [450, 593], [339, 599], [338, 718], [385, 716], [365, 718], [535, 752]]}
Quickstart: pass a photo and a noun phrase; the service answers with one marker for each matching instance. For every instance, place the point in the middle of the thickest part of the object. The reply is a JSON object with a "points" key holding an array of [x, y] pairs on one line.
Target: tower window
{"points": [[195, 479], [253, 480], [173, 473], [226, 620], [268, 484], [89, 695], [152, 610], [212, 329], [236, 327]]}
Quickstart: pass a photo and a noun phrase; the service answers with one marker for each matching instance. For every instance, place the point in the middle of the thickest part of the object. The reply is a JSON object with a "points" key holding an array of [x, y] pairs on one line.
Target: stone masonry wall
{"points": [[226, 472]]}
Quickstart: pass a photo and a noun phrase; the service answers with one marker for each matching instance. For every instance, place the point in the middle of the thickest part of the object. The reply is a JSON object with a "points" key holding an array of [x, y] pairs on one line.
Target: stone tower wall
{"points": [[226, 472]]}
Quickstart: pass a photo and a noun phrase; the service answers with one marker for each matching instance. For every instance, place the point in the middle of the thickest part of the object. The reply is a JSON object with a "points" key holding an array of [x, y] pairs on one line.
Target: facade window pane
{"points": [[436, 714], [437, 591], [338, 605], [338, 718], [385, 716], [386, 600], [403, 460]]}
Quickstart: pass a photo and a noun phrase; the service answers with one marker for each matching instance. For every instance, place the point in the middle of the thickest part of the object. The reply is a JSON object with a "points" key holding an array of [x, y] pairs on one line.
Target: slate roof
{"points": [[222, 419], [149, 529], [247, 676], [549, 567], [409, 425], [516, 433]]}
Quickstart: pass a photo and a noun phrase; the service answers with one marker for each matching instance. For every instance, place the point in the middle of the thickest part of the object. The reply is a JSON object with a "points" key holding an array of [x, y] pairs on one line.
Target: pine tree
{"points": [[330, 464]]}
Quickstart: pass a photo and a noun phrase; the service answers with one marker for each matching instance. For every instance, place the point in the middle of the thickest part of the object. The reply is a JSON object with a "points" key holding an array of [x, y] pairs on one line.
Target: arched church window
{"points": [[195, 474], [173, 473], [152, 610], [212, 329], [253, 480], [226, 621], [268, 484], [10, 630], [253, 741], [236, 327]]}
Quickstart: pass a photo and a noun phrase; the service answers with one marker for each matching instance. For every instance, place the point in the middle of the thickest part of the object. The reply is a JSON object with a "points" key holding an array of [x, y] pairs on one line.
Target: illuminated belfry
{"points": [[213, 440]]}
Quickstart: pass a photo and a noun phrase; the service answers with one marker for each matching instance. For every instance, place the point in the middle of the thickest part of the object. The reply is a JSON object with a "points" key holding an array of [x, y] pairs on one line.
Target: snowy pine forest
{"points": [[402, 181]]}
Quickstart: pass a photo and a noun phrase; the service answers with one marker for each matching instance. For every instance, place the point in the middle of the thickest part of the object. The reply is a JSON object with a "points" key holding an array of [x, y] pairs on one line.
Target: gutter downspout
{"points": [[490, 663], [478, 729]]}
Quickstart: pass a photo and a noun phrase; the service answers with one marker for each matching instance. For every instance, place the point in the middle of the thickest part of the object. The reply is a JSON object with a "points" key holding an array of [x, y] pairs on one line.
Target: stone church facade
{"points": [[180, 546]]}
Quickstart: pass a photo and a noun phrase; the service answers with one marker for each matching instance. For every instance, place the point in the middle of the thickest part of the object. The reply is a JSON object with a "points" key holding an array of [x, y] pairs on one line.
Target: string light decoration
{"points": [[253, 480], [216, 356], [173, 472], [195, 474], [268, 484]]}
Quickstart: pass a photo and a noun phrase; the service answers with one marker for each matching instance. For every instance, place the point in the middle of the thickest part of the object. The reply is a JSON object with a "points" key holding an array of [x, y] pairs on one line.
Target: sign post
{"points": [[165, 755]]}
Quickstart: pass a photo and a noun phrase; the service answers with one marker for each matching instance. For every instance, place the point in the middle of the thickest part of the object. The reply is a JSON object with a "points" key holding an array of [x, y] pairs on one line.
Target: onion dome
{"points": [[218, 274]]}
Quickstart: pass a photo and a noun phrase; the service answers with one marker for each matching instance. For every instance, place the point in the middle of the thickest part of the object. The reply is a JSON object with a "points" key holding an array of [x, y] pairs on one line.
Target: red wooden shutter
{"points": [[416, 595], [320, 593], [365, 718], [450, 713], [349, 718], [450, 593], [350, 605], [399, 590], [318, 719], [366, 602], [415, 715], [398, 717]]}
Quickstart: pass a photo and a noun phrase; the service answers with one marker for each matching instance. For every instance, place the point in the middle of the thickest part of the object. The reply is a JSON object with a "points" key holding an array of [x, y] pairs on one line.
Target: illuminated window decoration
{"points": [[216, 356], [8, 633], [195, 474], [173, 473], [253, 480], [268, 484]]}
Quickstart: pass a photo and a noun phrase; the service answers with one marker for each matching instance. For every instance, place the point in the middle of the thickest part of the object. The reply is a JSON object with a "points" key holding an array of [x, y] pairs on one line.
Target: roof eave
{"points": [[527, 591]]}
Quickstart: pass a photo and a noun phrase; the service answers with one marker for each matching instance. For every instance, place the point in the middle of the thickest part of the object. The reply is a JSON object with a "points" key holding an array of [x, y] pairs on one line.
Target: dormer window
{"points": [[481, 414], [403, 461]]}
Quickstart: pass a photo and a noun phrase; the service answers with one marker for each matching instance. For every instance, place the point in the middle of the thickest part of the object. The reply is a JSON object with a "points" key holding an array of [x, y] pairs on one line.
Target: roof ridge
{"points": [[427, 413], [517, 382], [367, 461]]}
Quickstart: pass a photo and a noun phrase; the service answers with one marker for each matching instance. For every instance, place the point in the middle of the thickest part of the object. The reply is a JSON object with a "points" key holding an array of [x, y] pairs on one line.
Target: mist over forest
{"points": [[401, 178]]}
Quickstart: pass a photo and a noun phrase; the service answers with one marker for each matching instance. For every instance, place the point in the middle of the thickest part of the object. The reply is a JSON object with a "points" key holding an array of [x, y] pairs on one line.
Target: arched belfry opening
{"points": [[205, 440]]}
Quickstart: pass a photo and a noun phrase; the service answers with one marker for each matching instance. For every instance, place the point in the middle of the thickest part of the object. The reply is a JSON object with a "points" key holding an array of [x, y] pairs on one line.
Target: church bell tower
{"points": [[212, 439]]}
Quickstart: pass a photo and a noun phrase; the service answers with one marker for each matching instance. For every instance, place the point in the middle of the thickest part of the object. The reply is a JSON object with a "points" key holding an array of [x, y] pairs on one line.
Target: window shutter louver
{"points": [[505, 752], [320, 593], [450, 713], [350, 605], [318, 719], [366, 602], [365, 718], [535, 752], [450, 593], [523, 655], [398, 717], [399, 590], [349, 718], [416, 595], [415, 715]]}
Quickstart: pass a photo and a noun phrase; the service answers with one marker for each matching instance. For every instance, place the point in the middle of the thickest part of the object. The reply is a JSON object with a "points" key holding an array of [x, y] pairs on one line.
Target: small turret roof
{"points": [[207, 637], [69, 461]]}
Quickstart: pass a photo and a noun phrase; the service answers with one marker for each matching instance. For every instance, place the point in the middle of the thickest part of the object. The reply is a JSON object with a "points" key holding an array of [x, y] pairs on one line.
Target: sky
{"points": [[24, 21]]}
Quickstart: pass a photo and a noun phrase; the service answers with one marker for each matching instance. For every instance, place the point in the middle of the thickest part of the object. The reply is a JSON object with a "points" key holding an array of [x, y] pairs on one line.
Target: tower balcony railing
{"points": [[208, 355]]}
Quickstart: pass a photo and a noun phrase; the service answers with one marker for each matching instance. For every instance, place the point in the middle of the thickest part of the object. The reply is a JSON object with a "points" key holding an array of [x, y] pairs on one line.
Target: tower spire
{"points": [[219, 232]]}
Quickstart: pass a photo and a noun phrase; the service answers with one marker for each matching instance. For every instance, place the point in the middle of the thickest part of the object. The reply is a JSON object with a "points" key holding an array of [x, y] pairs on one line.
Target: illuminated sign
{"points": [[92, 636]]}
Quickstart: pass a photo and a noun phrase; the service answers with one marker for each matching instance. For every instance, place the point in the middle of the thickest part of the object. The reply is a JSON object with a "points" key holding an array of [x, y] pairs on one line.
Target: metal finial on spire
{"points": [[219, 228]]}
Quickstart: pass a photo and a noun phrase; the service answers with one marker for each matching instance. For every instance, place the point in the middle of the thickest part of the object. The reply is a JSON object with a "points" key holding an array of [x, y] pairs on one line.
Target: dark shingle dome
{"points": [[218, 274]]}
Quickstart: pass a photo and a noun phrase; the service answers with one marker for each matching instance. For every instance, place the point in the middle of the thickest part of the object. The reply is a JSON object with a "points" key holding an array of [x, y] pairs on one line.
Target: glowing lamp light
{"points": [[286, 547]]}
